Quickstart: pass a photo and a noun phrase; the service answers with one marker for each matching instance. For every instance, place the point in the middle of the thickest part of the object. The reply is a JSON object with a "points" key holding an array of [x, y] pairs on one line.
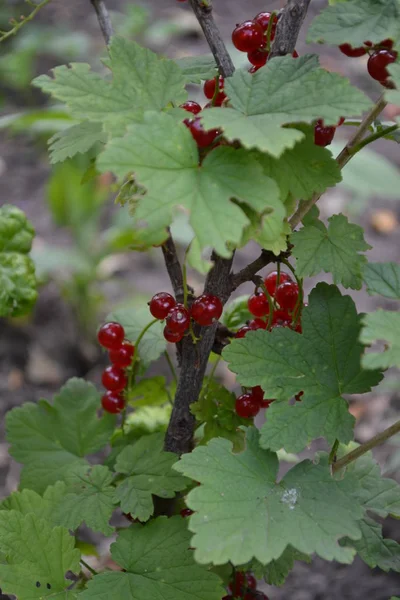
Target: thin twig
{"points": [[88, 567], [104, 20], [364, 448], [288, 27], [247, 274], [4, 35], [174, 267], [342, 159]]}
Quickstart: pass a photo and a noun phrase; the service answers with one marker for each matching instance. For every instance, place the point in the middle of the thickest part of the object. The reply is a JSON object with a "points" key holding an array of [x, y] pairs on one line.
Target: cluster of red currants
{"points": [[380, 56], [112, 337], [205, 310], [244, 586]]}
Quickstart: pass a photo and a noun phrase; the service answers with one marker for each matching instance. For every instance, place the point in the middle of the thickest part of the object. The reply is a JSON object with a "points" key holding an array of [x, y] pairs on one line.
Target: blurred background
{"points": [[82, 246]]}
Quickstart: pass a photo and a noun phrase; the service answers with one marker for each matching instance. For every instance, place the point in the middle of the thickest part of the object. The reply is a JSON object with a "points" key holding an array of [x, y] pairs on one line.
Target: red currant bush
{"points": [[206, 309], [248, 36], [112, 402], [258, 304], [111, 335], [161, 304], [114, 379], [122, 356]]}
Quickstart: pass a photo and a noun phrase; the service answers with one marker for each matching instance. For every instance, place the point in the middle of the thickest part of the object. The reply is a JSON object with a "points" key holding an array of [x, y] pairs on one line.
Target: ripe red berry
{"points": [[161, 304], [263, 19], [295, 54], [251, 581], [286, 295], [298, 396], [242, 331], [257, 324], [323, 136], [348, 50], [122, 356], [178, 319], [388, 44], [247, 406], [271, 281], [237, 585], [258, 57], [111, 335], [248, 36], [341, 121], [191, 106], [112, 402], [172, 336], [114, 379], [201, 136], [258, 304], [186, 512], [209, 90], [281, 318], [377, 63], [206, 309]]}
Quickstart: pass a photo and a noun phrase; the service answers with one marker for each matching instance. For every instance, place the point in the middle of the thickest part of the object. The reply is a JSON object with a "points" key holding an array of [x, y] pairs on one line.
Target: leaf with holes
{"points": [[382, 325]]}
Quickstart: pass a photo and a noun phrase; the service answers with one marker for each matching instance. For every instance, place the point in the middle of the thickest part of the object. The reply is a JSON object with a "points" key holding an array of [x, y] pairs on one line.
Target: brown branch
{"points": [[104, 19], [174, 268], [288, 27], [248, 273]]}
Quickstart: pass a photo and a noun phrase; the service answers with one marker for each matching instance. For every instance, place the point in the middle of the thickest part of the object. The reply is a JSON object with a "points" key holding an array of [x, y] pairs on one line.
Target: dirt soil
{"points": [[39, 354]]}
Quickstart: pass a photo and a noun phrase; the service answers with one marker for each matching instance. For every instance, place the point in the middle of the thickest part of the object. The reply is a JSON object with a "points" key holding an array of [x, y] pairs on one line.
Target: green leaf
{"points": [[374, 549], [303, 170], [51, 440], [383, 279], [356, 21], [335, 250], [148, 419], [393, 95], [91, 501], [164, 158], [216, 409], [286, 90], [38, 557], [276, 571], [197, 68], [74, 140], [134, 320], [141, 81], [236, 312], [149, 471], [150, 392], [381, 325], [158, 564], [242, 512], [28, 502], [323, 361]]}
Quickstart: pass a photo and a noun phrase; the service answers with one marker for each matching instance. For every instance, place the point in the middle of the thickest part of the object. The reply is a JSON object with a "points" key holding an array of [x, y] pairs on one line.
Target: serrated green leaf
{"points": [[275, 572], [150, 392], [197, 68], [141, 81], [355, 22], [383, 279], [134, 320], [374, 549], [77, 139], [158, 564], [149, 471], [44, 507], [381, 325], [241, 511], [38, 557], [323, 361], [52, 440], [334, 250], [286, 90], [164, 158]]}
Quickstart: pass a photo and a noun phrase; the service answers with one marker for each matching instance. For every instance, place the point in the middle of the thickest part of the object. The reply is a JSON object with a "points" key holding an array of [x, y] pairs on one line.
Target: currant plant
{"points": [[202, 511]]}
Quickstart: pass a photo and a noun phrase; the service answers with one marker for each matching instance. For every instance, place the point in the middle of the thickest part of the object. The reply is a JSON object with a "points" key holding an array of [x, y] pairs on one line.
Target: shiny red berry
{"points": [[112, 402], [237, 585], [248, 36], [178, 319], [186, 512], [341, 121], [209, 90], [281, 318], [258, 57], [377, 63], [191, 106], [161, 304], [295, 54], [114, 379], [122, 356], [323, 136], [258, 304], [263, 19], [247, 406], [257, 324], [271, 281], [388, 44], [251, 581], [242, 331], [201, 136], [348, 50], [172, 336], [286, 295], [111, 335], [206, 309]]}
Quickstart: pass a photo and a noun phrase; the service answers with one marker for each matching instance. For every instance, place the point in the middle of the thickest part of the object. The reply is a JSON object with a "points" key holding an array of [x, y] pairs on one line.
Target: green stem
{"points": [[88, 567], [332, 454], [374, 136], [171, 366], [269, 30], [270, 305], [299, 302], [7, 34]]}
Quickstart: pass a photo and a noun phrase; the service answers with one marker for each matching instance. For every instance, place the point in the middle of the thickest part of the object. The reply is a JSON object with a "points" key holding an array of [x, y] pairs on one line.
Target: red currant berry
{"points": [[114, 379], [271, 281], [237, 585], [287, 294], [209, 89], [378, 62], [122, 356], [281, 318], [263, 19], [247, 406], [257, 324], [298, 396], [161, 304], [258, 304], [254, 69], [348, 50], [178, 319], [112, 402], [388, 44], [341, 121], [248, 36], [191, 106], [111, 335], [298, 328], [206, 309], [251, 581], [295, 54], [202, 137], [323, 136], [242, 331], [258, 57], [172, 336], [186, 512]]}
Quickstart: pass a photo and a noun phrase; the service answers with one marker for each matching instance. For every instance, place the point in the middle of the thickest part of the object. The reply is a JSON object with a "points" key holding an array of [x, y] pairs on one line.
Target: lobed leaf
{"points": [[381, 325], [383, 279]]}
